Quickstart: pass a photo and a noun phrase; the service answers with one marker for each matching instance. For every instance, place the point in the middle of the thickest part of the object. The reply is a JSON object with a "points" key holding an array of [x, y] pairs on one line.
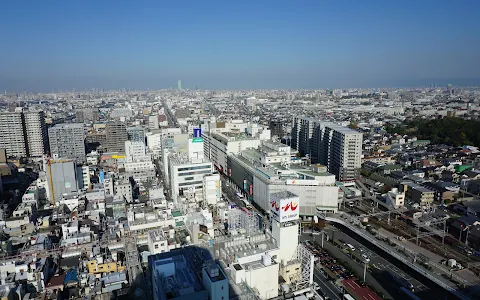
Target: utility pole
{"points": [[466, 237], [364, 272]]}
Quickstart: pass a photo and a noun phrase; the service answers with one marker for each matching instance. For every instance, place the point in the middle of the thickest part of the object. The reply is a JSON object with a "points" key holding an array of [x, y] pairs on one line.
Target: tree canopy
{"points": [[449, 130]]}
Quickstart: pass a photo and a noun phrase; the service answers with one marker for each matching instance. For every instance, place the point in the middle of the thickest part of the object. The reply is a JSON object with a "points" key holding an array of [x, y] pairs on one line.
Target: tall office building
{"points": [[68, 141], [340, 149], [179, 83], [116, 137], [36, 133], [12, 132]]}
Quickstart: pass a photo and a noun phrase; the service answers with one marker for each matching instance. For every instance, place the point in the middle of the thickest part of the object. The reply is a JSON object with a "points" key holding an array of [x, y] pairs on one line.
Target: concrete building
{"points": [[135, 151], [302, 135], [166, 137], [116, 137], [418, 194], [83, 177], [212, 189], [175, 276], [13, 134], [276, 127], [185, 176], [136, 134], [108, 184], [220, 145], [395, 199], [121, 113], [271, 168], [67, 141], [215, 281], [157, 241], [87, 115], [285, 214], [153, 122], [36, 133], [141, 170], [123, 189], [340, 149], [61, 178], [335, 146]]}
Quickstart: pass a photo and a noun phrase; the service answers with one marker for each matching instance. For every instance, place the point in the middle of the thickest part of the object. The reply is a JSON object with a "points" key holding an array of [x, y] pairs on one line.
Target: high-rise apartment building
{"points": [[302, 135], [68, 141], [36, 133], [340, 149], [13, 136], [116, 137], [276, 127], [337, 147]]}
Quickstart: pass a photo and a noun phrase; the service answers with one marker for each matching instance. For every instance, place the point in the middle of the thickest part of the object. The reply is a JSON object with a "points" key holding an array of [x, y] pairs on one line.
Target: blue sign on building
{"points": [[101, 177], [197, 132]]}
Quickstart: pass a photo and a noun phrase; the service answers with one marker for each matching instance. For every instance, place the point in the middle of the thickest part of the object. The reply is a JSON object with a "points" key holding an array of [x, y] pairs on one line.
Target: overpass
{"points": [[439, 280]]}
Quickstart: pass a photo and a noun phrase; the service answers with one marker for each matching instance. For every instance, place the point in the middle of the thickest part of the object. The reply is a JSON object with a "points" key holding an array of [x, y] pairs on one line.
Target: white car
{"points": [[365, 257], [351, 247]]}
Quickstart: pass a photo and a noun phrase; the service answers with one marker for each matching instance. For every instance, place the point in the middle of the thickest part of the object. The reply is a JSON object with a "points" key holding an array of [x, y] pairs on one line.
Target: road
{"points": [[327, 288], [383, 263], [357, 267]]}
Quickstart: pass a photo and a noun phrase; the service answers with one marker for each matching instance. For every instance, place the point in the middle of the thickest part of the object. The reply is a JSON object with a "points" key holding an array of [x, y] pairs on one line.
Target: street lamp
{"points": [[364, 271]]}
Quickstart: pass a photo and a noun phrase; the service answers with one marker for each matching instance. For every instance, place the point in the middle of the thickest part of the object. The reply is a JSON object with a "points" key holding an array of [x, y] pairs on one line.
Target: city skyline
{"points": [[271, 45]]}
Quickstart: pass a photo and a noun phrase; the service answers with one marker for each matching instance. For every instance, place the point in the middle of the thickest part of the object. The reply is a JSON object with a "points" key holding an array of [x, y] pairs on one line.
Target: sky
{"points": [[63, 45]]}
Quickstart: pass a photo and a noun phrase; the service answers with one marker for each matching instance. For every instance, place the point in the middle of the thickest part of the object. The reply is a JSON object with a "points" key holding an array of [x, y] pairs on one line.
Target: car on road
{"points": [[351, 247], [366, 258]]}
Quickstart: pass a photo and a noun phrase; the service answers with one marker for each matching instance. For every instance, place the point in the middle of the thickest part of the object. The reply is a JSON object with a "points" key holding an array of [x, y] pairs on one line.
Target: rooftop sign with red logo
{"points": [[284, 207]]}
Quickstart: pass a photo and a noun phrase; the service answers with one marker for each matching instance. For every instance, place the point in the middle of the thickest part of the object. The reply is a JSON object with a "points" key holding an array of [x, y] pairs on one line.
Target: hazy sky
{"points": [[59, 45]]}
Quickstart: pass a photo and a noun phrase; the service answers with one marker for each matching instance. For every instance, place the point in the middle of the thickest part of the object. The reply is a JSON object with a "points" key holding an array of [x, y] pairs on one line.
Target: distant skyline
{"points": [[65, 45]]}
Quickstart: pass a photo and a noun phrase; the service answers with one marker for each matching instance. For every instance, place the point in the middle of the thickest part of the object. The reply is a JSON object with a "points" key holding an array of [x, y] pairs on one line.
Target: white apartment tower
{"points": [[12, 133], [340, 149], [36, 133], [303, 136]]}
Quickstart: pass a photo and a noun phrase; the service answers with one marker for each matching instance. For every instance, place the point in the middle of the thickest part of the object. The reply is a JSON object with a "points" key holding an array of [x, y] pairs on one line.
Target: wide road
{"points": [[357, 267], [327, 288], [384, 264]]}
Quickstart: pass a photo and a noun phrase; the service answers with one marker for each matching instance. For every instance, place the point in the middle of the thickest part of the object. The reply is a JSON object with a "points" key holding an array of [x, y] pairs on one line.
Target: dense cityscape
{"points": [[244, 150], [262, 194]]}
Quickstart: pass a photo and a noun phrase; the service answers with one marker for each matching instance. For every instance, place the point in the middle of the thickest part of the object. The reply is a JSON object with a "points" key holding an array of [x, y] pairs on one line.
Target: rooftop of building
{"points": [[157, 235], [282, 195], [213, 271], [68, 126], [187, 262], [234, 136], [178, 159], [418, 187]]}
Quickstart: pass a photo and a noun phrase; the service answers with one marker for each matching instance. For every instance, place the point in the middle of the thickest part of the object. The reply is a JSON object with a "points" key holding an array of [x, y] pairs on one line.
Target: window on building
{"points": [[156, 246]]}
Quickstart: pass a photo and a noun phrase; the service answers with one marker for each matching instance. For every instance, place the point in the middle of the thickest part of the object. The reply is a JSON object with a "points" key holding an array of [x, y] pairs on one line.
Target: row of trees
{"points": [[449, 130]]}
